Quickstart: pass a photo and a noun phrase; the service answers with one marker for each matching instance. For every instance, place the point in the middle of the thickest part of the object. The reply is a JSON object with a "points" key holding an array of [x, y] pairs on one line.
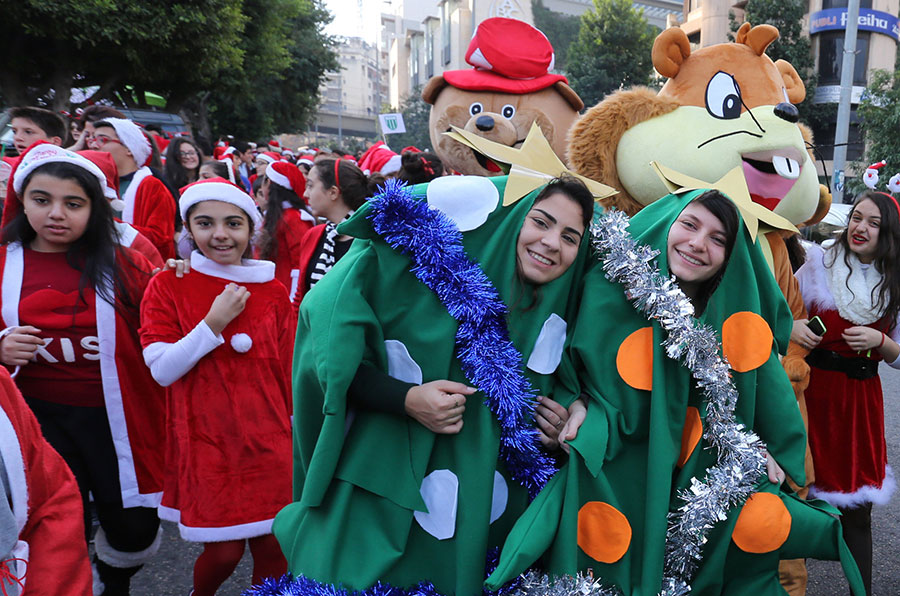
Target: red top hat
{"points": [[508, 56]]}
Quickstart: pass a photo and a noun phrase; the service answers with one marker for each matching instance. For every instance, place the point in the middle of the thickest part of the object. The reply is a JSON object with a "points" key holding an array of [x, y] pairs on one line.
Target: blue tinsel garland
{"points": [[288, 585], [488, 357]]}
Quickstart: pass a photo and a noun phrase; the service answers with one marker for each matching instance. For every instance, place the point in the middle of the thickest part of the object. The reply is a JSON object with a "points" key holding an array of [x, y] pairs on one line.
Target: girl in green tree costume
{"points": [[364, 479], [643, 440]]}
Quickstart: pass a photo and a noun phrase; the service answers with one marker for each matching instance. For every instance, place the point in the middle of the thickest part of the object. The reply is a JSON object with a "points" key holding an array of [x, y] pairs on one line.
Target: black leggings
{"points": [[856, 525], [82, 437]]}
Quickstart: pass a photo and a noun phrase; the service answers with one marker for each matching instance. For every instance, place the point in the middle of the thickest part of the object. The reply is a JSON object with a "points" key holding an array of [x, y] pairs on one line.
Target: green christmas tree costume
{"points": [[358, 475], [606, 510]]}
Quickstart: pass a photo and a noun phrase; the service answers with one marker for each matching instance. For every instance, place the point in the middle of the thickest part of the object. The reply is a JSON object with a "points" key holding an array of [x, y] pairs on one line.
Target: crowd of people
{"points": [[178, 329]]}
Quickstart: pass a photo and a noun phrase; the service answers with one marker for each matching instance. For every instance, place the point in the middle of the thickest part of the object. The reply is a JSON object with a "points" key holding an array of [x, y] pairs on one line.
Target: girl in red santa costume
{"points": [[853, 286], [69, 299], [220, 339], [286, 220]]}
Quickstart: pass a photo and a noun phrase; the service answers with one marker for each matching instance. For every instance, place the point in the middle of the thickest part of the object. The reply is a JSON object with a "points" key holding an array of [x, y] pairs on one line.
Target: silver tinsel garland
{"points": [[740, 459]]}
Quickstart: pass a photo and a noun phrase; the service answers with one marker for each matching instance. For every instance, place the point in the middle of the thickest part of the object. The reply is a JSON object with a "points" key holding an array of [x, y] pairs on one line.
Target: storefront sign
{"points": [[832, 94], [832, 19]]}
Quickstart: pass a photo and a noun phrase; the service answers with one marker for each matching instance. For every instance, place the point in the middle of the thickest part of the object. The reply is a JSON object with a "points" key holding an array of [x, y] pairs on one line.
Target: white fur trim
{"points": [[278, 178], [11, 452], [307, 216], [131, 193], [47, 153], [266, 158], [132, 137], [127, 233], [867, 494], [249, 271], [241, 343], [295, 283], [392, 165], [219, 534], [19, 567], [115, 409], [121, 559], [852, 287], [11, 290], [219, 191]]}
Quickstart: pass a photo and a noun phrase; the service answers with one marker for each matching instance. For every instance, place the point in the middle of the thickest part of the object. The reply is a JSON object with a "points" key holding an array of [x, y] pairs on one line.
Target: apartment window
{"points": [[445, 30], [831, 55], [843, 4], [415, 49], [429, 50]]}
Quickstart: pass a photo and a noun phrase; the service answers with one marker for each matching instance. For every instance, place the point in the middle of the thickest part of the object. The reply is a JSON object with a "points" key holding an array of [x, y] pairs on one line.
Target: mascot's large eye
{"points": [[475, 109], [723, 97], [508, 111]]}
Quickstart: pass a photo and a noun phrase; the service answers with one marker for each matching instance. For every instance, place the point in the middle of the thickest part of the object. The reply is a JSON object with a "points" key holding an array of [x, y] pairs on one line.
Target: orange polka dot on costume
{"points": [[604, 533], [746, 341], [691, 435], [634, 360], [763, 525]]}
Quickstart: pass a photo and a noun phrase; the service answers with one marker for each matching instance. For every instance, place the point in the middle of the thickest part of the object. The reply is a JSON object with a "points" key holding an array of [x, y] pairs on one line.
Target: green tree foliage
{"points": [[792, 46], [254, 65], [879, 120], [167, 47], [415, 117], [560, 29], [612, 50], [287, 56]]}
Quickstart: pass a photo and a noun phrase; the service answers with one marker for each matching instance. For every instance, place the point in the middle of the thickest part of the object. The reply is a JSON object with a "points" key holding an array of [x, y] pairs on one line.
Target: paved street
{"points": [[170, 572]]}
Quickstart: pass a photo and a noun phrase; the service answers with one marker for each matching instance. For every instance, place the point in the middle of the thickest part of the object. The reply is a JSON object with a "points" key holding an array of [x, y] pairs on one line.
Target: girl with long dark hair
{"points": [[286, 219], [853, 287], [183, 160], [335, 188], [70, 301]]}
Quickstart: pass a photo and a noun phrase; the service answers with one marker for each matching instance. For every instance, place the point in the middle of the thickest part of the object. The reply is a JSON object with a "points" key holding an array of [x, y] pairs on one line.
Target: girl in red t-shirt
{"points": [[69, 301], [220, 339]]}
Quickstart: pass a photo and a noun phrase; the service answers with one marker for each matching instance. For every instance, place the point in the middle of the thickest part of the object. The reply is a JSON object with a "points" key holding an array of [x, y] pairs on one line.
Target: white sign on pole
{"points": [[391, 123]]}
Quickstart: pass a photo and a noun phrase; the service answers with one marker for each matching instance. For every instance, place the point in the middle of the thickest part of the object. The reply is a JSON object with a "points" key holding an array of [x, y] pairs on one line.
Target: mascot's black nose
{"points": [[486, 123], [787, 111]]}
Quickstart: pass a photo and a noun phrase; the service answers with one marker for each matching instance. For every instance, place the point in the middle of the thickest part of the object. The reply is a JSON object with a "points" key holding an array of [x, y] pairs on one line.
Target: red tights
{"points": [[219, 559]]}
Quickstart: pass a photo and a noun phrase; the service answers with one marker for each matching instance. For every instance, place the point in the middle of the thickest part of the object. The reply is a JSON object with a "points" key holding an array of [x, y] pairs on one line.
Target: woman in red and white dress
{"points": [[853, 286]]}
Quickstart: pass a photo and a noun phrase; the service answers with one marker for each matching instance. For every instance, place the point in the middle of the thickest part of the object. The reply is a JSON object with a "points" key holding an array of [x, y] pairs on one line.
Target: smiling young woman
{"points": [[854, 289]]}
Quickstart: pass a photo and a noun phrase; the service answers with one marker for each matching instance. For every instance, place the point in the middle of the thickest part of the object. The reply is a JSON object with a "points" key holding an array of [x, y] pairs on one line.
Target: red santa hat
{"points": [[130, 135], [42, 153], [306, 159], [226, 159], [508, 56], [269, 156], [287, 176], [376, 157], [218, 189], [274, 144]]}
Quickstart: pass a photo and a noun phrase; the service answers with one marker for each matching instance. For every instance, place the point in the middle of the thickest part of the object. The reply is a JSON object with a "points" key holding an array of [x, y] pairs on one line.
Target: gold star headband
{"points": [[531, 166], [734, 186]]}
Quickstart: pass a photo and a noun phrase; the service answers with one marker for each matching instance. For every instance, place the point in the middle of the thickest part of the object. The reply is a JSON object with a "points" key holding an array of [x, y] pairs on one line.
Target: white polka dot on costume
{"points": [[440, 492], [401, 364], [500, 496], [467, 200]]}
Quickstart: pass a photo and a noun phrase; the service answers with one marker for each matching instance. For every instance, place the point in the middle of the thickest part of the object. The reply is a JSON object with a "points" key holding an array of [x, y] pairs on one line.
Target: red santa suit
{"points": [[45, 502], [289, 237], [228, 449], [133, 402], [846, 415], [131, 238], [149, 208]]}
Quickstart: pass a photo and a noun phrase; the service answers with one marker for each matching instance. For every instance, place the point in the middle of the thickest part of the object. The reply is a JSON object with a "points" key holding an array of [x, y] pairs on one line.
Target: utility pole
{"points": [[842, 130]]}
